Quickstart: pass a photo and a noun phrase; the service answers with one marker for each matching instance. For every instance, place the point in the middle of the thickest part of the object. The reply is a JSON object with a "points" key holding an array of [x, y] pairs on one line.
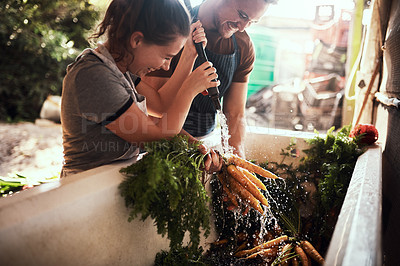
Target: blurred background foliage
{"points": [[38, 39]]}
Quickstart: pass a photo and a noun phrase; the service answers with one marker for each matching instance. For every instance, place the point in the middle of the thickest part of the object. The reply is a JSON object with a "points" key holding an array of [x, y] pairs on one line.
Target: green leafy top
{"points": [[165, 185], [335, 158], [328, 167]]}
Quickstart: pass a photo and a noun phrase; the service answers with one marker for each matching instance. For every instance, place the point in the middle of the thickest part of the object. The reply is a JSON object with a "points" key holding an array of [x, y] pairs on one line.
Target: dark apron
{"points": [[201, 118]]}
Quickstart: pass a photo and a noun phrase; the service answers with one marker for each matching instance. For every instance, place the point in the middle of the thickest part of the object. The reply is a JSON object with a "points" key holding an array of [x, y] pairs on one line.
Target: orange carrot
{"points": [[246, 183], [303, 256], [242, 246], [284, 263], [264, 253], [252, 178], [246, 210], [285, 254], [220, 242], [244, 194], [233, 159], [230, 196], [231, 207], [312, 252], [269, 244], [295, 262], [242, 236]]}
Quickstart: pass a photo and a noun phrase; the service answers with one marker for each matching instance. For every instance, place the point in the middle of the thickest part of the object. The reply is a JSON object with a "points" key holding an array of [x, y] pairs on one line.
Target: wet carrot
{"points": [[220, 242], [284, 263], [246, 183], [264, 253], [252, 178], [285, 254], [303, 256], [246, 211], [244, 194], [242, 246], [233, 159], [241, 236], [312, 252], [295, 262], [230, 196], [269, 244], [231, 207]]}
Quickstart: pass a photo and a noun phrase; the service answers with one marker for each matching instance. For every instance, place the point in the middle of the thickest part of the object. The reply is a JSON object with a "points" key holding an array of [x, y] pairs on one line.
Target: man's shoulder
{"points": [[244, 42], [242, 35], [243, 39]]}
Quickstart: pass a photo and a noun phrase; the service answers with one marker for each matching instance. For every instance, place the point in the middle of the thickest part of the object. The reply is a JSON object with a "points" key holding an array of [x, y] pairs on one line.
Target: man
{"points": [[231, 51]]}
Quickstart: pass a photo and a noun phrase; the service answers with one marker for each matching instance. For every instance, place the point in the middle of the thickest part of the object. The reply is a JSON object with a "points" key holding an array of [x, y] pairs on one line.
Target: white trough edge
{"points": [[357, 236]]}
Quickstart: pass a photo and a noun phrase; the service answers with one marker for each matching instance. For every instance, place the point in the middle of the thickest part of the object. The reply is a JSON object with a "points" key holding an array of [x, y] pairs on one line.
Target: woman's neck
{"points": [[122, 66]]}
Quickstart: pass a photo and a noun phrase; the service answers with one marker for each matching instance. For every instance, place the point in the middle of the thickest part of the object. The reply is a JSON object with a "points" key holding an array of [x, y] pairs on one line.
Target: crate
{"points": [[320, 101], [321, 92], [327, 58], [285, 106]]}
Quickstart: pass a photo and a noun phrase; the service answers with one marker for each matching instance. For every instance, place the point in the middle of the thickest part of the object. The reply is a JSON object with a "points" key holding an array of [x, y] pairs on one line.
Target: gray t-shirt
{"points": [[95, 93]]}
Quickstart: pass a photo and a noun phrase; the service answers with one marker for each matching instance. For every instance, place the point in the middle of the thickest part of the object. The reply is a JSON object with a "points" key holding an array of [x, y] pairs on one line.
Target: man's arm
{"points": [[234, 105]]}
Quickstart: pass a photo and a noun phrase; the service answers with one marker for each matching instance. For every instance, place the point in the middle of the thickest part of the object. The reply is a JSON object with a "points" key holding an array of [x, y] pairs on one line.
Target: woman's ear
{"points": [[136, 39]]}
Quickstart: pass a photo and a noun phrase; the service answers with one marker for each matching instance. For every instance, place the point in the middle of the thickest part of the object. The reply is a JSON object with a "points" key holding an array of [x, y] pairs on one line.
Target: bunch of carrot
{"points": [[241, 185], [288, 249], [239, 182]]}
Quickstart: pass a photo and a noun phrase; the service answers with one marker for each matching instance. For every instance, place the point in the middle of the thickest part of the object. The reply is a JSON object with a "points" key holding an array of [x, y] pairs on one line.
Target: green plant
{"points": [[165, 185], [181, 256], [38, 38], [328, 166], [13, 184]]}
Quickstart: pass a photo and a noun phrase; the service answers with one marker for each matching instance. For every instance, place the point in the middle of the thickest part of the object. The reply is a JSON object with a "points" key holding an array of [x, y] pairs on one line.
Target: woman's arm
{"points": [[135, 127], [160, 93]]}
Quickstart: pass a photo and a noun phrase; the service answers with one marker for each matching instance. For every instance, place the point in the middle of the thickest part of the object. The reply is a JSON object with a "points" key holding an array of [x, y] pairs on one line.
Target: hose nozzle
{"points": [[213, 92]]}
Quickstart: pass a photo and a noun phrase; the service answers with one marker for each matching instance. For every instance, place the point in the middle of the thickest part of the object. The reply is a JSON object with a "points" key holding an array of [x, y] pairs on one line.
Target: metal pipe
{"points": [[380, 97]]}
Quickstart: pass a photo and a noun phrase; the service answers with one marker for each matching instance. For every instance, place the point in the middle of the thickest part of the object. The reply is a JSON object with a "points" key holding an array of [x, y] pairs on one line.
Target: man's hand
{"points": [[213, 161]]}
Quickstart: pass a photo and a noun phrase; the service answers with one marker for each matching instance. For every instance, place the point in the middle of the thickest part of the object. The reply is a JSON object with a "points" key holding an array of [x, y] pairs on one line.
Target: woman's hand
{"points": [[198, 36], [213, 161], [203, 77]]}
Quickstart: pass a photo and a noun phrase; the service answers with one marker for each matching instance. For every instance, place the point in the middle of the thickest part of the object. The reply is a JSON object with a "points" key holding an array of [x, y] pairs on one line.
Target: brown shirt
{"points": [[217, 44]]}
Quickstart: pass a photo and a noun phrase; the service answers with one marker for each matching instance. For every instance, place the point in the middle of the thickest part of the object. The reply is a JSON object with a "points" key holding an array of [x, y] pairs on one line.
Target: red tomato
{"points": [[369, 133]]}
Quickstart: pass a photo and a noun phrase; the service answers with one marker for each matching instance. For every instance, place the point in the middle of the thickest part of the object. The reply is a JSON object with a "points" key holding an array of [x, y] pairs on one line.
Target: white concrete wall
{"points": [[265, 144], [82, 220]]}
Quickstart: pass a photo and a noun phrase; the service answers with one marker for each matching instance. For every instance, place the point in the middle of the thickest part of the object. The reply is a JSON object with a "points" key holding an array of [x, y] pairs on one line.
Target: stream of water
{"points": [[226, 148]]}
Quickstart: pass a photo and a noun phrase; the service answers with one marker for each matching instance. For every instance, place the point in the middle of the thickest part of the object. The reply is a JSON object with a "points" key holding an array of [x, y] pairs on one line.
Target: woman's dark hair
{"points": [[160, 21]]}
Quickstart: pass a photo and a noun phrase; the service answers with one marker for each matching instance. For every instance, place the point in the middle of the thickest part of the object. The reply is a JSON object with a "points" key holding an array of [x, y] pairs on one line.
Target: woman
{"points": [[103, 116]]}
